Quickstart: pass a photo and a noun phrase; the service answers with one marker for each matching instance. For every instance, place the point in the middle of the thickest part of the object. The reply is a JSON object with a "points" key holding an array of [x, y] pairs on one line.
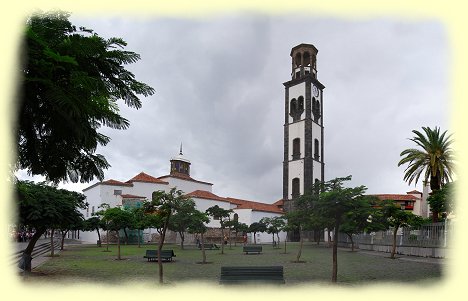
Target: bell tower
{"points": [[303, 162]]}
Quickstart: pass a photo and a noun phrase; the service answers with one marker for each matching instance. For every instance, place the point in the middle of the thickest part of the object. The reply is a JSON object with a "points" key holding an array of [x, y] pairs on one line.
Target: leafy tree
{"points": [[71, 82], [78, 224], [237, 227], [274, 226], [357, 220], [443, 200], [222, 215], [181, 219], [104, 223], [93, 223], [335, 202], [138, 221], [435, 160], [117, 219], [43, 207], [255, 228], [197, 225], [162, 206], [396, 218]]}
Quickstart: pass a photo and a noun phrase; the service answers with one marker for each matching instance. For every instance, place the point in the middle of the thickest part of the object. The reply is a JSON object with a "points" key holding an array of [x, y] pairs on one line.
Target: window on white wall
{"points": [[117, 192]]}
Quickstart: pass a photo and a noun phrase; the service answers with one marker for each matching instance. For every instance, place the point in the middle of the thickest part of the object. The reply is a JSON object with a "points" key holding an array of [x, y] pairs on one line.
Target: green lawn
{"points": [[90, 264]]}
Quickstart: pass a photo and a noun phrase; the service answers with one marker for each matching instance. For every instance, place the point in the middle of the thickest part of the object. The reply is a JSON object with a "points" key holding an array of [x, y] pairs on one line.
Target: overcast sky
{"points": [[219, 91]]}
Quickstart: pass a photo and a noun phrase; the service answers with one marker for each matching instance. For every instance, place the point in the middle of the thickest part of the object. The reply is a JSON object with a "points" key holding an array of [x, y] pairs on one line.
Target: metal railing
{"points": [[436, 235]]}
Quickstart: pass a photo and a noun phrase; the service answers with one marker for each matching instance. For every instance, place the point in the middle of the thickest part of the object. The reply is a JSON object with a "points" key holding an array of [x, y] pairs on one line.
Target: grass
{"points": [[89, 263]]}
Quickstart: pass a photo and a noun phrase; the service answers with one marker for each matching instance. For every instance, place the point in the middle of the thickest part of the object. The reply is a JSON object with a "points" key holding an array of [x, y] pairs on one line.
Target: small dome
{"points": [[180, 157]]}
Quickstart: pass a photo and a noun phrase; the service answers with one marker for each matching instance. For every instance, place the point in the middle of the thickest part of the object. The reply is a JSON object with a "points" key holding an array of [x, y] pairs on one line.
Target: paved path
{"points": [[40, 259]]}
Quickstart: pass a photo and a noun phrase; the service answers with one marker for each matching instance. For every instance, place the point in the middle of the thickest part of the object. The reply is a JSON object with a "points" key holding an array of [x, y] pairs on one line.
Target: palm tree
{"points": [[435, 160]]}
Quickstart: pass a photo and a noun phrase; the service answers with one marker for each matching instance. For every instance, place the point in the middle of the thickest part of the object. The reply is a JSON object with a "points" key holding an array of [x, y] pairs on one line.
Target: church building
{"points": [[140, 187]]}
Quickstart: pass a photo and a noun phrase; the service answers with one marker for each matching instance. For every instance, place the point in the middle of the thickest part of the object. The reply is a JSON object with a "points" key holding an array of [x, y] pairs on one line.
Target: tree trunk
{"points": [[99, 235], [235, 240], [392, 255], [255, 238], [52, 243], [222, 240], [63, 239], [161, 243], [274, 244], [329, 238], [27, 253], [118, 245], [229, 237], [107, 240], [299, 252], [139, 238], [335, 256], [126, 236], [352, 242], [182, 238], [203, 248], [277, 236], [285, 246]]}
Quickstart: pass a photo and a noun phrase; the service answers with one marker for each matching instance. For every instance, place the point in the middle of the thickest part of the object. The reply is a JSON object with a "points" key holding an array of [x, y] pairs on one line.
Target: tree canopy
{"points": [[71, 82], [435, 158]]}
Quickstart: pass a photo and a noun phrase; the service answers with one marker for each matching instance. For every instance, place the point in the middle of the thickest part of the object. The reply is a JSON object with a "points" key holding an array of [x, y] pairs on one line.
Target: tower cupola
{"points": [[304, 61], [180, 165]]}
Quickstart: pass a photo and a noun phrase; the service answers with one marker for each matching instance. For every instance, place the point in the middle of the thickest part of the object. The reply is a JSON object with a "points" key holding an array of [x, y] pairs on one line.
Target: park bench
{"points": [[166, 255], [255, 274], [252, 249], [209, 246]]}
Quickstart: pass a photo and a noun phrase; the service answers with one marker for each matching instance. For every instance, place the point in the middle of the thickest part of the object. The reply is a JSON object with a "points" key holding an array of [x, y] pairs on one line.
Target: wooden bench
{"points": [[209, 246], [166, 255], [255, 274], [252, 249]]}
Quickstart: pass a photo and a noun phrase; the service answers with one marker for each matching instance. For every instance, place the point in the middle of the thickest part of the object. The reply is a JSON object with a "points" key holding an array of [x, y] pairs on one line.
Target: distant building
{"points": [[413, 201]]}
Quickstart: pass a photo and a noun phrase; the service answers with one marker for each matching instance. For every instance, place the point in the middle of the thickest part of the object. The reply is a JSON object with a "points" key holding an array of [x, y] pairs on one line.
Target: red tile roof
{"points": [[414, 192], [183, 177], [396, 197], [244, 204], [146, 178], [203, 194], [279, 203], [131, 196], [110, 182]]}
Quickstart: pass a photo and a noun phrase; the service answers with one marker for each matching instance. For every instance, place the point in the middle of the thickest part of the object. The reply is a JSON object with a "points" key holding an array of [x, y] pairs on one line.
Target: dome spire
{"points": [[180, 152]]}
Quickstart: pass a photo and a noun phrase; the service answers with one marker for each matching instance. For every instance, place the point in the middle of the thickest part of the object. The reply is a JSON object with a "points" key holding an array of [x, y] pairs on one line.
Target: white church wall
{"points": [[265, 237], [93, 198], [244, 215], [317, 170], [146, 189], [203, 204], [186, 186]]}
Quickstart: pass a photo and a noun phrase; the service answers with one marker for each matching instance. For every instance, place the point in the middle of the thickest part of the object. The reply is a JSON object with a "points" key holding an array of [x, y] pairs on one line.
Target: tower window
{"points": [[296, 149], [296, 185], [315, 108], [296, 108], [316, 149]]}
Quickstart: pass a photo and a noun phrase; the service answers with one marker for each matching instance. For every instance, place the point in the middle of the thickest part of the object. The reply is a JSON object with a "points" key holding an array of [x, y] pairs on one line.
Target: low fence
{"points": [[431, 240]]}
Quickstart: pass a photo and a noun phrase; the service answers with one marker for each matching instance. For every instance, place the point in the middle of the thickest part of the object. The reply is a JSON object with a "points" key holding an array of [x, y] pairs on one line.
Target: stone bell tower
{"points": [[303, 162]]}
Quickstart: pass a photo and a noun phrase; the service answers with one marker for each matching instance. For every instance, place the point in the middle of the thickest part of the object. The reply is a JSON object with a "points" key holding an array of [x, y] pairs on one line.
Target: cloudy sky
{"points": [[219, 91]]}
